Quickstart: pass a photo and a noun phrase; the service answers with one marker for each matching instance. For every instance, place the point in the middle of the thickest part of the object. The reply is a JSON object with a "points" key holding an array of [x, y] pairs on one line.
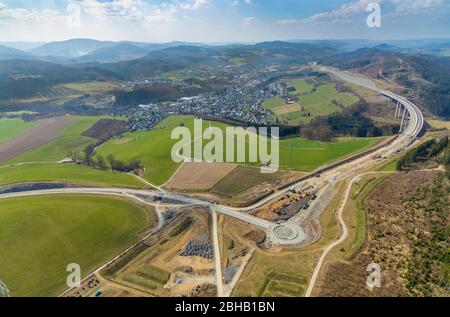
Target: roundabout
{"points": [[286, 234]]}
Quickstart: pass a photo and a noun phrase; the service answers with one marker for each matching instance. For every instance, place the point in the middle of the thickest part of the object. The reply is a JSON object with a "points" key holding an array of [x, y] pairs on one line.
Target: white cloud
{"points": [[350, 9], [162, 15], [127, 9], [413, 6], [194, 4], [345, 11], [249, 21], [288, 22], [235, 3], [29, 15]]}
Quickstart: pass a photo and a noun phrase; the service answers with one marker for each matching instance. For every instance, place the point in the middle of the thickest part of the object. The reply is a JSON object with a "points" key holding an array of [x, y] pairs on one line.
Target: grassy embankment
{"points": [[66, 173]]}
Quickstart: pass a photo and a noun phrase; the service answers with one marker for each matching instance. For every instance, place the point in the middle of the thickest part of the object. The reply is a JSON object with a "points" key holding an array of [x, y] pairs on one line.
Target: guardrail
{"points": [[417, 120]]}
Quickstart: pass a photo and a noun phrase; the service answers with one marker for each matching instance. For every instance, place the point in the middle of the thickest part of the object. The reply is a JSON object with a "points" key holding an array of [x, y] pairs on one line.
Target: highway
{"points": [[416, 122], [290, 232], [344, 234], [331, 177], [153, 195], [217, 257], [407, 138]]}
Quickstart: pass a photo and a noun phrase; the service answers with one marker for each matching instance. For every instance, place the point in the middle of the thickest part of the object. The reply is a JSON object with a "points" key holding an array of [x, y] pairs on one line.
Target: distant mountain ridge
{"points": [[71, 48], [8, 53]]}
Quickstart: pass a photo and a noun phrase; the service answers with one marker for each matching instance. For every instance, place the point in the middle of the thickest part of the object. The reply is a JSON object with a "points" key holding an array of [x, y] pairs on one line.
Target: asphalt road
{"points": [[330, 178], [407, 138], [344, 228], [217, 257]]}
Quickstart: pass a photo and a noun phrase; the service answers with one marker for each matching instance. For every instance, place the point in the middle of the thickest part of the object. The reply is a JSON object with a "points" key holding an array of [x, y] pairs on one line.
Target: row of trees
{"points": [[100, 162]]}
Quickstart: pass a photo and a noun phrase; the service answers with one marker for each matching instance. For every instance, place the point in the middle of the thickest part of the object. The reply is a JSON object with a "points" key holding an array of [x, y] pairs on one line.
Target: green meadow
{"points": [[305, 155], [40, 236], [11, 127], [313, 102], [320, 102], [273, 103], [70, 139], [301, 86], [154, 148]]}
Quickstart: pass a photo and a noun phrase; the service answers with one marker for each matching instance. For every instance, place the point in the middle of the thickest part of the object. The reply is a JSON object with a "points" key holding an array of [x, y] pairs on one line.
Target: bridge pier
{"points": [[403, 120], [397, 110]]}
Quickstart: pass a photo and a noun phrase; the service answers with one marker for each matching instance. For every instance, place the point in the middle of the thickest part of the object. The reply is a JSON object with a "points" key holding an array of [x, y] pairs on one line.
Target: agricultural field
{"points": [[273, 103], [301, 86], [66, 173], [41, 133], [286, 109], [93, 86], [154, 148], [304, 155], [199, 176], [11, 127], [69, 139], [321, 100], [40, 236], [241, 179]]}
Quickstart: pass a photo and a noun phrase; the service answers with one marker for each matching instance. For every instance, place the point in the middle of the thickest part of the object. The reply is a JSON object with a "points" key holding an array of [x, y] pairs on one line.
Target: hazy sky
{"points": [[220, 20]]}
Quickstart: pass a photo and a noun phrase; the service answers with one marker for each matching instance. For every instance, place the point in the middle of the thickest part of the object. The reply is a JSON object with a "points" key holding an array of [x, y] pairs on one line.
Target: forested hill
{"points": [[24, 78]]}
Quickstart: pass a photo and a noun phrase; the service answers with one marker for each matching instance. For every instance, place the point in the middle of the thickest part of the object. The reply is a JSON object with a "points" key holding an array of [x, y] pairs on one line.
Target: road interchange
{"points": [[292, 232], [285, 233]]}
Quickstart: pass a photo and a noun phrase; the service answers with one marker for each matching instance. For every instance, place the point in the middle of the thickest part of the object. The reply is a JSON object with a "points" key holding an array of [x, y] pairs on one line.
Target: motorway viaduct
{"points": [[412, 118], [287, 233]]}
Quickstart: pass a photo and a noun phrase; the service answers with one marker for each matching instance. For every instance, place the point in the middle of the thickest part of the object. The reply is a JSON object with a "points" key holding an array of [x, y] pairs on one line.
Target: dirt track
{"points": [[41, 133]]}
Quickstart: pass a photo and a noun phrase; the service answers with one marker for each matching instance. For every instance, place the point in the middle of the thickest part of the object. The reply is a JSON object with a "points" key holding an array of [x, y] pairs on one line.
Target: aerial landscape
{"points": [[225, 149]]}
